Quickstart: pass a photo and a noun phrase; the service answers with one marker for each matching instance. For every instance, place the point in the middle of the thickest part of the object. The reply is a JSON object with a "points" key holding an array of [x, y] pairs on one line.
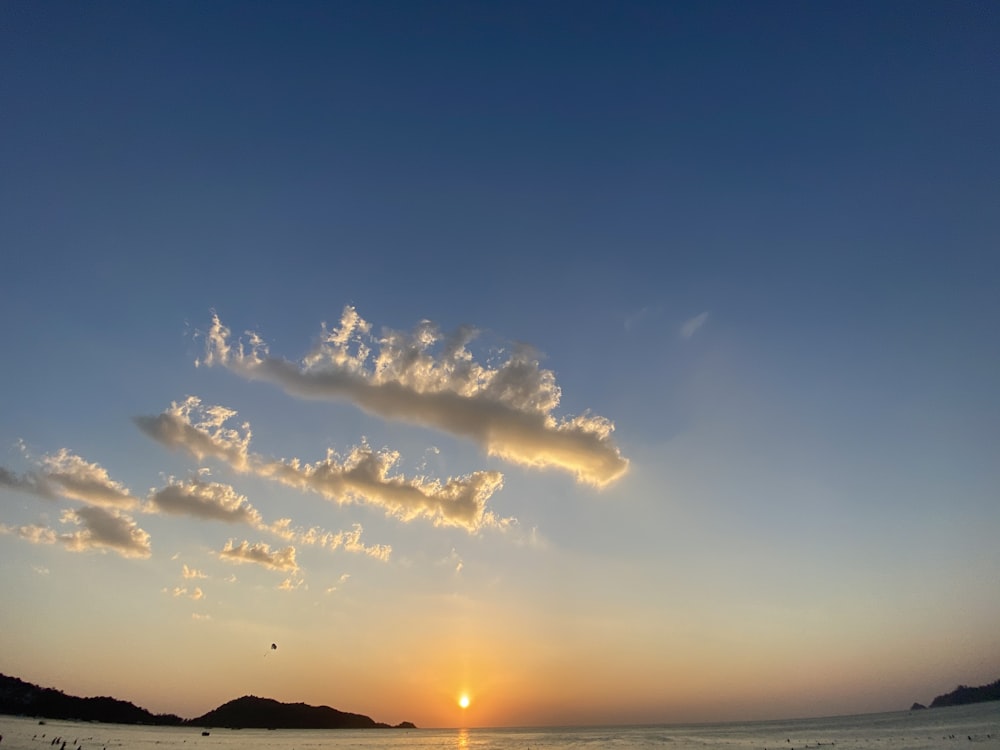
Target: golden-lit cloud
{"points": [[364, 475], [32, 533], [290, 584], [103, 529], [453, 561], [432, 380], [200, 431], [221, 502], [100, 529], [206, 500], [195, 594], [261, 554], [341, 580], [66, 475], [349, 541], [188, 573]]}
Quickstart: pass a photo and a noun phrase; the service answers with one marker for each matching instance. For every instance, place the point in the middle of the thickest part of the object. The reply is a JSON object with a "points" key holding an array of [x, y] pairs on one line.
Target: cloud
{"points": [[221, 502], [80, 480], [633, 319], [206, 500], [31, 483], [364, 475], [432, 380], [101, 530], [341, 580], [32, 533], [690, 327], [196, 594], [205, 438], [350, 541], [454, 561], [66, 475], [260, 554], [105, 529], [290, 584], [192, 573]]}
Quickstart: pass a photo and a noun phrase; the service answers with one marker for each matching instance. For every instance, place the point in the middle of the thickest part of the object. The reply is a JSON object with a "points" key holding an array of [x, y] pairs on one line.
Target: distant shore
{"points": [[964, 695]]}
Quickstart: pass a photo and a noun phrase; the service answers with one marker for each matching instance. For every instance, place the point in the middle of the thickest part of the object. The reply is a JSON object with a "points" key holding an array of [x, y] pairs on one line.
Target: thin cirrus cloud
{"points": [[432, 380], [363, 475], [690, 327]]}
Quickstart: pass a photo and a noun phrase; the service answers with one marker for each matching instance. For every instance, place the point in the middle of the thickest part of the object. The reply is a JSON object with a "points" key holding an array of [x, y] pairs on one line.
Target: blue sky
{"points": [[760, 240]]}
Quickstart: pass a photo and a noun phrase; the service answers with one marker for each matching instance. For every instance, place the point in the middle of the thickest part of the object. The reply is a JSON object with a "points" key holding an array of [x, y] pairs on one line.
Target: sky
{"points": [[600, 362]]}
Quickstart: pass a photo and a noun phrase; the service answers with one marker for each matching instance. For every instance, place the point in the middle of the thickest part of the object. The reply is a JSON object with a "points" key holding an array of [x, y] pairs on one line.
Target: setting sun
{"points": [[463, 701]]}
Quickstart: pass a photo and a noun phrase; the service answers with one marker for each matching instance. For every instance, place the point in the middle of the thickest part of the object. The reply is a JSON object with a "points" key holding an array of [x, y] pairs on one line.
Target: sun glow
{"points": [[463, 701]]}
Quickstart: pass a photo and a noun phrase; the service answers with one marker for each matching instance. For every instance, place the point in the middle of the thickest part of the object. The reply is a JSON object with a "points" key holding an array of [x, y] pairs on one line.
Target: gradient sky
{"points": [[607, 362]]}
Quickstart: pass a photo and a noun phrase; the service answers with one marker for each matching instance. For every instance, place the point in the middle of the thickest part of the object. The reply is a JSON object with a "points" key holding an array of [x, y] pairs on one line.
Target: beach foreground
{"points": [[958, 727]]}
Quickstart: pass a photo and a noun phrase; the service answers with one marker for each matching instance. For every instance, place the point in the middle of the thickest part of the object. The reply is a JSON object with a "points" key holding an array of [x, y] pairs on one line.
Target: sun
{"points": [[463, 701]]}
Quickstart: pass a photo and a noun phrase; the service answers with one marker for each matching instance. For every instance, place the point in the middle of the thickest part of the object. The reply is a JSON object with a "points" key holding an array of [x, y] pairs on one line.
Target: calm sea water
{"points": [[974, 727]]}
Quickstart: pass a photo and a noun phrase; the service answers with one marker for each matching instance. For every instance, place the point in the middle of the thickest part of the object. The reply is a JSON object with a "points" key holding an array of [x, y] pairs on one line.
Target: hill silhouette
{"points": [[265, 713], [964, 694], [22, 698]]}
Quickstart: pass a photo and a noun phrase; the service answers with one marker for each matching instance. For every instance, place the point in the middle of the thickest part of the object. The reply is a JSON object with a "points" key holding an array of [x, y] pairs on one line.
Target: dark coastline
{"points": [[963, 695], [20, 698]]}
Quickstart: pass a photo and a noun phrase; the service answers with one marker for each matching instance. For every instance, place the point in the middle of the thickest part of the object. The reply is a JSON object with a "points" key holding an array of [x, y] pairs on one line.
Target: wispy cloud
{"points": [[195, 594], [430, 379], [454, 561], [364, 475], [690, 327], [340, 581], [635, 318], [261, 554]]}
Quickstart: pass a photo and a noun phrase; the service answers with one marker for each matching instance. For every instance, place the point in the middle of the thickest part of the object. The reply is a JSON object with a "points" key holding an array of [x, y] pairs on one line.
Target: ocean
{"points": [[975, 726]]}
